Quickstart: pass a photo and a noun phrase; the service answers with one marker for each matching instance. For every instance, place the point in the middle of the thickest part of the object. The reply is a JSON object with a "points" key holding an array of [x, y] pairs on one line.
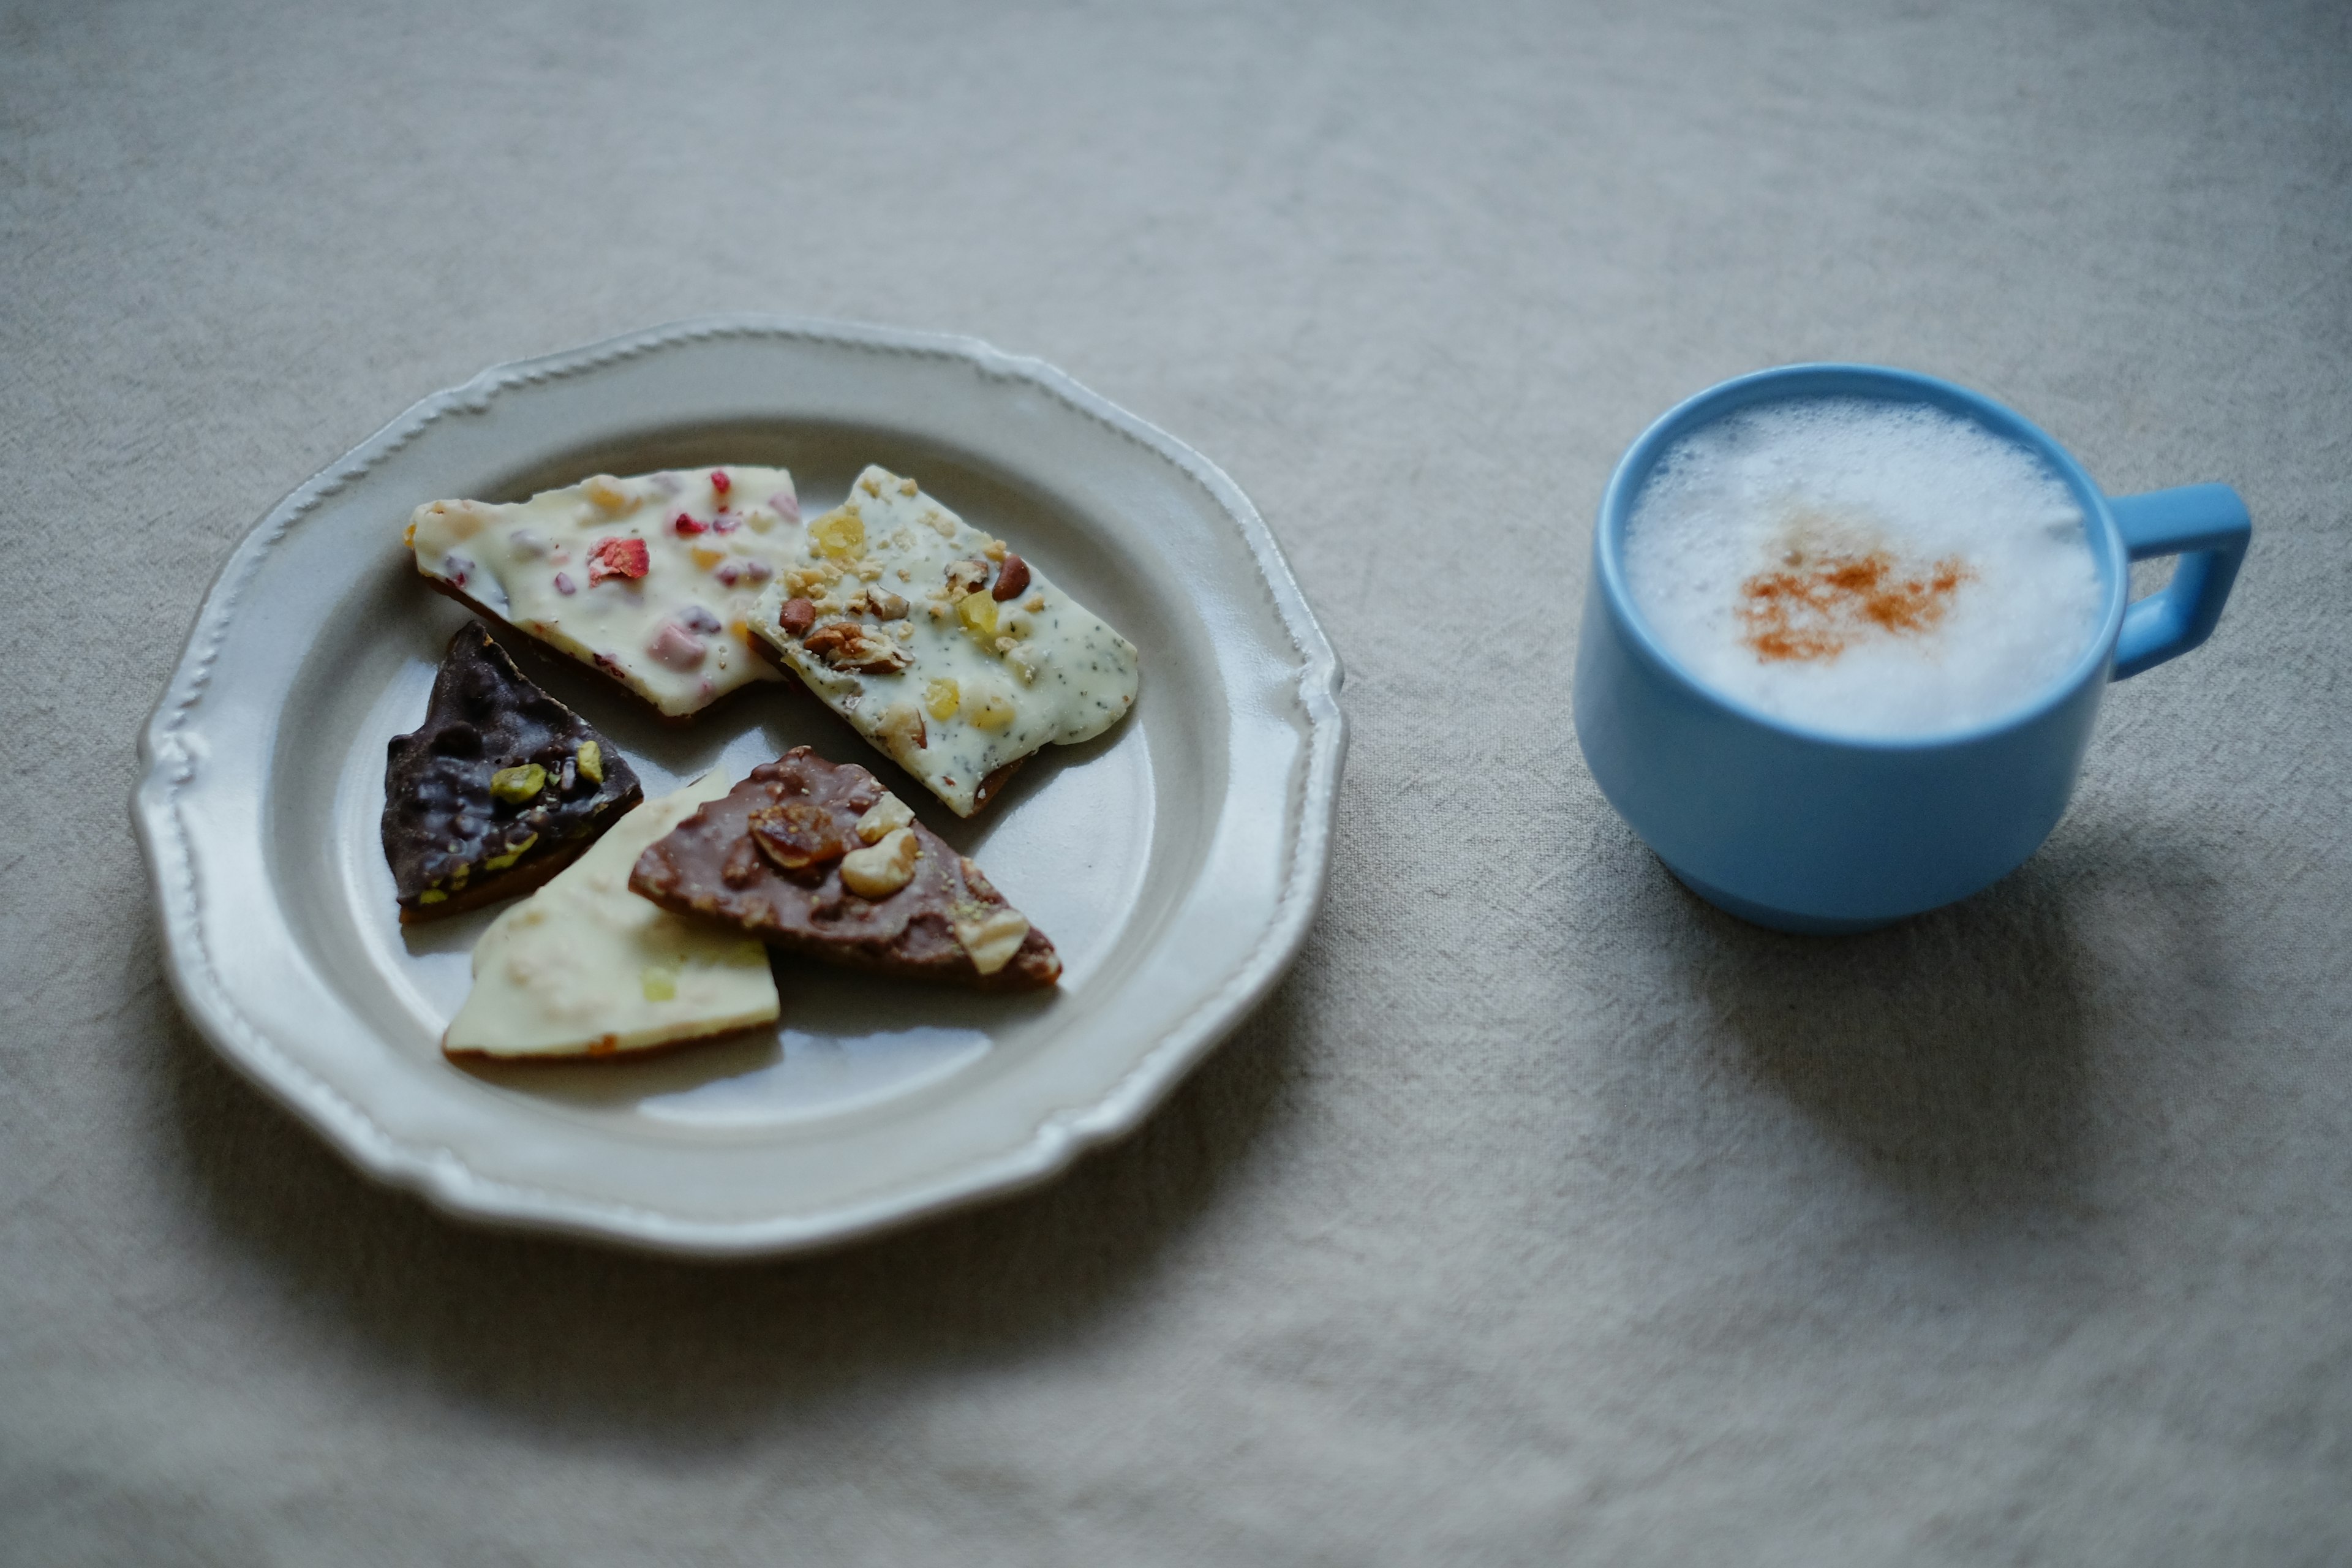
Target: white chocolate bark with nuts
{"points": [[584, 967], [647, 579], [950, 653]]}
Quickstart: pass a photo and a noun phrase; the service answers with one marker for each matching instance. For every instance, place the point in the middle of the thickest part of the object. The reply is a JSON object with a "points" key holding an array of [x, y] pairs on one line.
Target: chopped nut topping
{"points": [[795, 619], [1033, 602], [659, 984], [1011, 578], [887, 605], [870, 485], [798, 835], [851, 644], [591, 758], [966, 577], [519, 783], [513, 853], [991, 935], [881, 869], [941, 523], [908, 487], [993, 550], [901, 730], [883, 818]]}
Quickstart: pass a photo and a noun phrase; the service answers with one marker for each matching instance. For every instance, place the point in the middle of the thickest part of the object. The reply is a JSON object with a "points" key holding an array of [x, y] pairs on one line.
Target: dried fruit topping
{"points": [[850, 645], [788, 507], [591, 758], [675, 647], [795, 619], [617, 558], [941, 696], [685, 524], [1013, 577], [978, 612], [839, 533], [800, 835], [725, 522], [694, 618], [519, 783], [966, 577], [705, 555], [994, 711], [881, 869], [606, 493], [720, 483], [565, 585]]}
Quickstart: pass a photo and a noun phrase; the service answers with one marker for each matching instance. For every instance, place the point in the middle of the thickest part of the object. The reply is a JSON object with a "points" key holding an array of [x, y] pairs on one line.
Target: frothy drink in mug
{"points": [[1863, 568]]}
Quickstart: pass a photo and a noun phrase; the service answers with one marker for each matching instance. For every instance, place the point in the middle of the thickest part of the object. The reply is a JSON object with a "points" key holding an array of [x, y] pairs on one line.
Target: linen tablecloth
{"points": [[1543, 1214]]}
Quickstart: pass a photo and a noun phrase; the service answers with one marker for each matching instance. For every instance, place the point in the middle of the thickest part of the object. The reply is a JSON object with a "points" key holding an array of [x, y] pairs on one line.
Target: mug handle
{"points": [[2208, 528]]}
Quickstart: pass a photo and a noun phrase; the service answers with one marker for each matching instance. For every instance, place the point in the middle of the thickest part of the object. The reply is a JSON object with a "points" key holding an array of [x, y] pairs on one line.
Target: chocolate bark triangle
{"points": [[501, 788], [818, 858]]}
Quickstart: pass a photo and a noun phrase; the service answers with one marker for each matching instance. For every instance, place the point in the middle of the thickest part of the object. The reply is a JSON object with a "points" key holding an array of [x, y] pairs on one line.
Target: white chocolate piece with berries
{"points": [[647, 579], [949, 652], [584, 967]]}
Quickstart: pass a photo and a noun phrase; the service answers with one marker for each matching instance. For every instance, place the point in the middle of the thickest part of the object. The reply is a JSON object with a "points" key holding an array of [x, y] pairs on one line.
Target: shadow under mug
{"points": [[1804, 831]]}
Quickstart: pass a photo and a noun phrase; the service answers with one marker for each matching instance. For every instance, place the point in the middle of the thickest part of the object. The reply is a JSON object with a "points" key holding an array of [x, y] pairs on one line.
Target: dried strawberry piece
{"points": [[617, 558], [685, 524], [720, 481]]}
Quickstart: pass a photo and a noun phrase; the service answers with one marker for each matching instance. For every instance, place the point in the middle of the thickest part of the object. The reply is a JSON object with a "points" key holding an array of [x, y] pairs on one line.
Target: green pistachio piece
{"points": [[514, 852], [518, 785], [592, 761]]}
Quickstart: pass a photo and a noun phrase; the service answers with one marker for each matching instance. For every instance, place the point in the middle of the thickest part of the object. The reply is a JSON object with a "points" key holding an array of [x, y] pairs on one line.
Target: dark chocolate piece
{"points": [[466, 818], [765, 858]]}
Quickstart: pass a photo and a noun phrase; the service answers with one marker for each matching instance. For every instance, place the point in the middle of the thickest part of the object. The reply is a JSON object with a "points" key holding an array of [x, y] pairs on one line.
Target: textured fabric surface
{"points": [[1543, 1214]]}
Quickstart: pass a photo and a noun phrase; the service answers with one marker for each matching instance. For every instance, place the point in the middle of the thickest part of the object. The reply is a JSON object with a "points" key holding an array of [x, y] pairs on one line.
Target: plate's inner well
{"points": [[1078, 842]]}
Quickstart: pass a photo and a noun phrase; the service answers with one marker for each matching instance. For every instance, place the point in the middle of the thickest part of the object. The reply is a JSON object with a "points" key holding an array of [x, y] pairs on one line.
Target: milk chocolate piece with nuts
{"points": [[501, 788], [818, 858]]}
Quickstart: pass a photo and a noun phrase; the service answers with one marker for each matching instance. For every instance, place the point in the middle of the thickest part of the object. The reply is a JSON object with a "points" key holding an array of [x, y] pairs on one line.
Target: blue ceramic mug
{"points": [[1804, 831]]}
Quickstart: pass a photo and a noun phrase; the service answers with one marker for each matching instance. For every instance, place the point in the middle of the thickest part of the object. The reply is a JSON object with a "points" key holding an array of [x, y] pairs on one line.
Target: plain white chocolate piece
{"points": [[584, 967]]}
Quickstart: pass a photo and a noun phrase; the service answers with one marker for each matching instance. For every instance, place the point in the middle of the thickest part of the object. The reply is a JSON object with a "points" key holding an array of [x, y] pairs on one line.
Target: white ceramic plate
{"points": [[1175, 862]]}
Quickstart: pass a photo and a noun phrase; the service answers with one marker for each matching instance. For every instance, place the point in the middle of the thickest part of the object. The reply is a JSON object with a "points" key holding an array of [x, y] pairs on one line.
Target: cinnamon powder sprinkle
{"points": [[1818, 605]]}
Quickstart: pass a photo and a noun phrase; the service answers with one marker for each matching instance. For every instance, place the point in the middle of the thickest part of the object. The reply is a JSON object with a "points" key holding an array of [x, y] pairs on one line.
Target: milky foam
{"points": [[1860, 567]]}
